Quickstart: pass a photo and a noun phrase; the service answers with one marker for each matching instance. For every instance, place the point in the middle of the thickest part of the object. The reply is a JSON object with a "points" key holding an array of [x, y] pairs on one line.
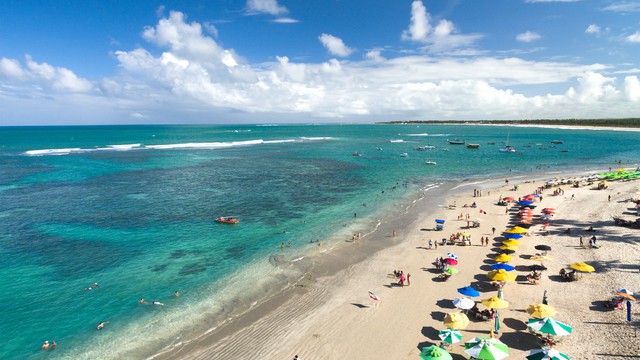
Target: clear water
{"points": [[138, 219]]}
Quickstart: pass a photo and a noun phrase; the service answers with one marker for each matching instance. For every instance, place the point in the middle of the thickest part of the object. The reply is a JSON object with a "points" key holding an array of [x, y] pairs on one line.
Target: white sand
{"points": [[335, 319]]}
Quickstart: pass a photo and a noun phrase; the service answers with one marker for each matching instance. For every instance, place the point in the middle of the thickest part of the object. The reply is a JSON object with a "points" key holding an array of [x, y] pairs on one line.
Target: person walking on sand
{"points": [[430, 243], [493, 231], [408, 279], [609, 198]]}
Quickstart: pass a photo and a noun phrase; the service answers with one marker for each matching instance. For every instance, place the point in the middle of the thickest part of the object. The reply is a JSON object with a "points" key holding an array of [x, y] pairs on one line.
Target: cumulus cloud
{"points": [[335, 45], [270, 7], [186, 73], [528, 36], [593, 29], [634, 38], [441, 37], [285, 20], [56, 78]]}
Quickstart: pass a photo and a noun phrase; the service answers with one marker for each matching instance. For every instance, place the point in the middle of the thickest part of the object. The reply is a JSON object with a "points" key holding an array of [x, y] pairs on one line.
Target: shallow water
{"points": [[138, 219]]}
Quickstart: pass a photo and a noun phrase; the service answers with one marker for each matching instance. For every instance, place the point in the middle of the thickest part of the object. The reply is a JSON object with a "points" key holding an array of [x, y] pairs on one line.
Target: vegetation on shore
{"points": [[627, 123]]}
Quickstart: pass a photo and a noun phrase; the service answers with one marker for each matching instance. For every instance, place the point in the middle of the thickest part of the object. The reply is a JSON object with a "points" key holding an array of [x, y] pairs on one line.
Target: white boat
{"points": [[557, 142], [507, 147], [430, 162], [456, 141], [356, 154], [426, 147], [404, 155]]}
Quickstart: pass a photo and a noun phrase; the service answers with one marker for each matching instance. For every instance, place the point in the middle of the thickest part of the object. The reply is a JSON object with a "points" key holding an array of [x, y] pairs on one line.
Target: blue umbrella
{"points": [[499, 266], [513, 236], [469, 291], [525, 203]]}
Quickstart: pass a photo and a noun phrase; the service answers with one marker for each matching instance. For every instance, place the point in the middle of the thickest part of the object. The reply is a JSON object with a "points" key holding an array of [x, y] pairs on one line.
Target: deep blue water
{"points": [[138, 219]]}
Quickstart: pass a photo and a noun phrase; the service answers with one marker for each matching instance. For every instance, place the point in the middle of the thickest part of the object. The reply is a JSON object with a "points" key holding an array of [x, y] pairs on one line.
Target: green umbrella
{"points": [[451, 271], [450, 336], [486, 349], [549, 326], [435, 353], [546, 354]]}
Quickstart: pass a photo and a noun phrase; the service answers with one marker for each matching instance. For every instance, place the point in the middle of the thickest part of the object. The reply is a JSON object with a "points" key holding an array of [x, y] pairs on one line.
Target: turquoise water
{"points": [[132, 208]]}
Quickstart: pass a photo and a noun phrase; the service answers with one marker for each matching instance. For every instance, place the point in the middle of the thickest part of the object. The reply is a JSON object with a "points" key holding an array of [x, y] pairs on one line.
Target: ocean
{"points": [[133, 209]]}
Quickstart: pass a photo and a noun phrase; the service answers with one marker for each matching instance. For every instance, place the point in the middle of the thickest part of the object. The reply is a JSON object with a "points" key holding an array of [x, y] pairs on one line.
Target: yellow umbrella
{"points": [[540, 258], [456, 321], [495, 303], [540, 311], [517, 230], [509, 247], [503, 258], [465, 234], [511, 242], [580, 266], [502, 275]]}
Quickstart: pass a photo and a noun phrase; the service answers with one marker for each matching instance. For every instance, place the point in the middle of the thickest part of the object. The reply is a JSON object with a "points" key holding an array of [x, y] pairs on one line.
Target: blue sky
{"points": [[255, 61]]}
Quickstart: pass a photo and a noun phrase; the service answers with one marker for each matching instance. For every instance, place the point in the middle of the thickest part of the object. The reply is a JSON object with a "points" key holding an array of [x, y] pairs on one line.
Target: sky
{"points": [[316, 61]]}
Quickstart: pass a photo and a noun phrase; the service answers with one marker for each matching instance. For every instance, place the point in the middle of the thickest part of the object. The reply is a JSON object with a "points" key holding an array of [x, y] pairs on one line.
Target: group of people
{"points": [[568, 275], [484, 241], [534, 277], [49, 345], [399, 274]]}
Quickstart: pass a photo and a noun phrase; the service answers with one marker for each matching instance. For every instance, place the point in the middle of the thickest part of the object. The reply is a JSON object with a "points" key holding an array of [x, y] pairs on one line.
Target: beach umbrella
{"points": [[517, 230], [465, 234], [507, 251], [434, 352], [463, 303], [451, 271], [486, 348], [452, 256], [537, 267], [525, 203], [469, 291], [625, 291], [508, 247], [549, 326], [504, 266], [513, 236], [501, 275], [542, 247], [540, 311], [456, 320], [508, 198], [495, 303], [511, 242], [626, 296], [503, 258], [580, 266], [450, 261], [546, 354], [540, 258], [450, 336]]}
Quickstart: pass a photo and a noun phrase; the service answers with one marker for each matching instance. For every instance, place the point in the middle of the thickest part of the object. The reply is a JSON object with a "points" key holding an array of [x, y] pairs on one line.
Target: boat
{"points": [[557, 142], [507, 147], [430, 162], [356, 154], [404, 155], [423, 148], [456, 142], [227, 220], [473, 146]]}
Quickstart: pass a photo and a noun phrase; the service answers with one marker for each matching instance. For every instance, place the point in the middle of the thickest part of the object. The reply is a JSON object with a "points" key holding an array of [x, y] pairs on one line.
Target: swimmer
{"points": [[101, 325], [142, 301], [157, 303], [176, 293], [45, 346]]}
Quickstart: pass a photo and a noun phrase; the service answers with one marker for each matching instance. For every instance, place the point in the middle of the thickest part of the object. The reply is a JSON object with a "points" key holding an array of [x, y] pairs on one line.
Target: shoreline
{"points": [[289, 317]]}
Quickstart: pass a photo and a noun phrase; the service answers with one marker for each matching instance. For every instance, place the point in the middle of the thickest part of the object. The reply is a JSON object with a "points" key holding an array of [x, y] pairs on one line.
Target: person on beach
{"points": [[430, 243], [493, 231], [581, 243], [408, 279], [609, 198], [402, 279]]}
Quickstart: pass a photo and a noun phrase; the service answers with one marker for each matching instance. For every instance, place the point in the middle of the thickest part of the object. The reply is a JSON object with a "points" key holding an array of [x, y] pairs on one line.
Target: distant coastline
{"points": [[632, 124]]}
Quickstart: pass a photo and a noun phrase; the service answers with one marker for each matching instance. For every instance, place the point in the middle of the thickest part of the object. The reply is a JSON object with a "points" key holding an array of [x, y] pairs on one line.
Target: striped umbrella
{"points": [[549, 326], [452, 256], [546, 354], [450, 336], [486, 348]]}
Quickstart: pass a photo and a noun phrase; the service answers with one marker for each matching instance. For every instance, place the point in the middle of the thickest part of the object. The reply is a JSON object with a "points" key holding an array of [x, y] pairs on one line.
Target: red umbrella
{"points": [[508, 198], [450, 261]]}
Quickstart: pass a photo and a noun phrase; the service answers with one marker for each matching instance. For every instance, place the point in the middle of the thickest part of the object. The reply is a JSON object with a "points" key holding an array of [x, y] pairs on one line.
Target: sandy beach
{"points": [[332, 317]]}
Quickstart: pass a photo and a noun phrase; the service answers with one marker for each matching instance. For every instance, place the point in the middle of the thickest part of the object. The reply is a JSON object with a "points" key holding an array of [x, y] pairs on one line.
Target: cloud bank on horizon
{"points": [[183, 73]]}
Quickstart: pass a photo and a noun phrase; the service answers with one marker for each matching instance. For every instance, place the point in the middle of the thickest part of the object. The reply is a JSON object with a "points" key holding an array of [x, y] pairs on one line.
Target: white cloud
{"points": [[634, 38], [624, 6], [193, 78], [43, 74], [528, 36], [285, 20], [270, 7], [443, 37], [335, 45], [593, 29]]}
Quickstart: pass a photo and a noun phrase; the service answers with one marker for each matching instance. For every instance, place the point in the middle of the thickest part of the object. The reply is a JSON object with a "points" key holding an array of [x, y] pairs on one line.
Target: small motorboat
{"points": [[426, 147], [456, 141], [404, 155], [356, 154], [473, 146], [509, 148], [557, 142], [430, 162], [227, 220]]}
